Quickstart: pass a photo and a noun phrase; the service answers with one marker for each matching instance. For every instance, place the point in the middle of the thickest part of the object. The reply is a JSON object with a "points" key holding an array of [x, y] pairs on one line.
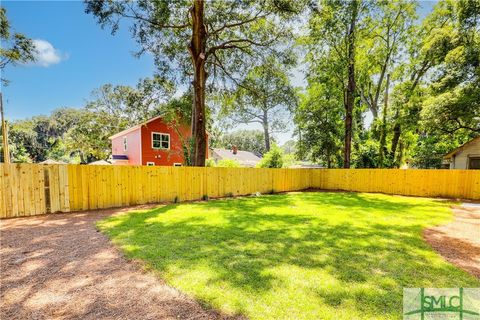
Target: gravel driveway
{"points": [[58, 266]]}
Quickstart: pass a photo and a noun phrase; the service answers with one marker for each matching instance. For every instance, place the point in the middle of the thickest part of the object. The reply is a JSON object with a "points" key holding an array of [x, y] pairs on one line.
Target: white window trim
{"points": [[166, 134], [125, 145], [150, 163], [177, 164]]}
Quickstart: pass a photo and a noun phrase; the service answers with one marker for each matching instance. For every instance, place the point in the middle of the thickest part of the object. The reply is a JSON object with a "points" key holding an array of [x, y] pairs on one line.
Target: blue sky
{"points": [[77, 57], [84, 58]]}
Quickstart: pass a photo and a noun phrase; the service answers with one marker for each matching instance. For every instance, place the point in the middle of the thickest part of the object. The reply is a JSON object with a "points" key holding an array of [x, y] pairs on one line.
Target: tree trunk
{"points": [[329, 159], [350, 99], [266, 131], [82, 158], [397, 130], [6, 152], [197, 52], [383, 134]]}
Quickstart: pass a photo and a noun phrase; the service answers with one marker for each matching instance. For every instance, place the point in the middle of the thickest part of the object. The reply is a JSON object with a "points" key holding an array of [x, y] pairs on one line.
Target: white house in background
{"points": [[466, 156], [245, 158]]}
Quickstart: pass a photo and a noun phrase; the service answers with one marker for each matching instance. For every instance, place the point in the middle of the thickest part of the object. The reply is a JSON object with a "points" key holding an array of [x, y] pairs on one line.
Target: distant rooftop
{"points": [[245, 158], [50, 161]]}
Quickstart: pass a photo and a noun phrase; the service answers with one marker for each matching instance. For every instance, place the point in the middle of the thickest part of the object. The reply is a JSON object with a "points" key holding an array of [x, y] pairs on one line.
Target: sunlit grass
{"points": [[294, 256]]}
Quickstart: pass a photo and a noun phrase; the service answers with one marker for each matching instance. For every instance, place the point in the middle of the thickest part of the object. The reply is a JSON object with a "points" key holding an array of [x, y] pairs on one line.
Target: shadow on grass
{"points": [[369, 246]]}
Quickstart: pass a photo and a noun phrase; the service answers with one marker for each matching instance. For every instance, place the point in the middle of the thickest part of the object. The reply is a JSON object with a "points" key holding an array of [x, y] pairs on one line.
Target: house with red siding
{"points": [[152, 143]]}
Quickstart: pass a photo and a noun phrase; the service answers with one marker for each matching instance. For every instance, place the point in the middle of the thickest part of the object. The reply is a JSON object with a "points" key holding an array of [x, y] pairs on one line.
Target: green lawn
{"points": [[293, 256]]}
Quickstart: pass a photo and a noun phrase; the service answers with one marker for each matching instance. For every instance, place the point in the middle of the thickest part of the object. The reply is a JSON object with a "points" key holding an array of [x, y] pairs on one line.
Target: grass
{"points": [[293, 256]]}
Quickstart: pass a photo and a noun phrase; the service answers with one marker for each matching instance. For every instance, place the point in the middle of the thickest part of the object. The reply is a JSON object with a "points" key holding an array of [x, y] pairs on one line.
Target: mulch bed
{"points": [[459, 241], [59, 266]]}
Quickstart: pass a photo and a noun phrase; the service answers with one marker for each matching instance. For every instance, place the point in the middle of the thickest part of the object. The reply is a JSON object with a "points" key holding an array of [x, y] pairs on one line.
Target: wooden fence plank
{"points": [[24, 187]]}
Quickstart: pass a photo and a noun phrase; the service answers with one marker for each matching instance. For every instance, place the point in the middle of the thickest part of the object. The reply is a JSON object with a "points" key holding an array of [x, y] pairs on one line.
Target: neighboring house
{"points": [[466, 156], [152, 143], [245, 158]]}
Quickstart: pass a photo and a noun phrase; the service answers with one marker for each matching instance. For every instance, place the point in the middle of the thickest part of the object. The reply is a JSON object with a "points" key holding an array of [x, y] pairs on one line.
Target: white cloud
{"points": [[46, 54]]}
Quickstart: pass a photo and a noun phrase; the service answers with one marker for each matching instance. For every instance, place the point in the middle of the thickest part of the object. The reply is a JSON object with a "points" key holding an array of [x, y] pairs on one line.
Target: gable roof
{"points": [[138, 126], [245, 158], [455, 151], [121, 133]]}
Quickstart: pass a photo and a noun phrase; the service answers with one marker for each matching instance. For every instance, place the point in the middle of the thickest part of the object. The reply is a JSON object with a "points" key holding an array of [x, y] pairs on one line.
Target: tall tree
{"points": [[249, 140], [336, 28], [15, 48], [391, 25], [438, 99], [194, 39], [319, 121], [265, 97]]}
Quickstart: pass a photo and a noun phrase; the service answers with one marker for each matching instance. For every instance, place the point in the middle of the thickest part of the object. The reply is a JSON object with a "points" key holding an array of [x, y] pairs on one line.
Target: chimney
{"points": [[234, 149]]}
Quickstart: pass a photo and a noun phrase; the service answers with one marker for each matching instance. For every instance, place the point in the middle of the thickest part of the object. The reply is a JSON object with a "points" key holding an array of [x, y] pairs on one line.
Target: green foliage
{"points": [[289, 160], [433, 91], [272, 159], [210, 163], [319, 121], [203, 44], [82, 135], [289, 147], [236, 32], [265, 96], [247, 140], [228, 163], [325, 255], [16, 48], [35, 139]]}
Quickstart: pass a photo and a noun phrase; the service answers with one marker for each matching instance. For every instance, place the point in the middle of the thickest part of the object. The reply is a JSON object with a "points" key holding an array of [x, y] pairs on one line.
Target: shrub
{"points": [[227, 163], [272, 159], [210, 163]]}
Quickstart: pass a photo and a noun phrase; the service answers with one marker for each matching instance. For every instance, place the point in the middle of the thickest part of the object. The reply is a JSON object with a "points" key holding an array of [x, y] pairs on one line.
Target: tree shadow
{"points": [[370, 246]]}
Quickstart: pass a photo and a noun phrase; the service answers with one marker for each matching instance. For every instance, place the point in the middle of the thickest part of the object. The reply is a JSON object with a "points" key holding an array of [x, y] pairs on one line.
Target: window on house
{"points": [[124, 143], [177, 164], [474, 163], [150, 163], [160, 140]]}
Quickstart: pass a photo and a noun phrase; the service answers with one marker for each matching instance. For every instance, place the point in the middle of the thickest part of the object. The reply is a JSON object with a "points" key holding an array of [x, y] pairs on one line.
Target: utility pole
{"points": [[6, 153]]}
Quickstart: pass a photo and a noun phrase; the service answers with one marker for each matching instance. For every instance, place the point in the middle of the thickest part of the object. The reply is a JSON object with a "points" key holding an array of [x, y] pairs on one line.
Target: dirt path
{"points": [[58, 266], [459, 241]]}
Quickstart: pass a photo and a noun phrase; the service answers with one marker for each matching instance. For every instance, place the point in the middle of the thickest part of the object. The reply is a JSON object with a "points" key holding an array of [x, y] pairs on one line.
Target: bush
{"points": [[210, 163], [272, 159], [227, 163]]}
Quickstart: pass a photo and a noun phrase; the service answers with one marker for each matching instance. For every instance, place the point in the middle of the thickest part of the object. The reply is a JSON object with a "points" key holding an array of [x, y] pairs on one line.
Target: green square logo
{"points": [[441, 303]]}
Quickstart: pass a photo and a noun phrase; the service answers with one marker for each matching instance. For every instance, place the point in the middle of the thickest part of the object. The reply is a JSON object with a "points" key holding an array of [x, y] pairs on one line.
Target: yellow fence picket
{"points": [[31, 189]]}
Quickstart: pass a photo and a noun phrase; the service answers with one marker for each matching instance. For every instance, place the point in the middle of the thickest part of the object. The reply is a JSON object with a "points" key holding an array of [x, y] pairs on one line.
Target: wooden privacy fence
{"points": [[462, 184], [32, 189]]}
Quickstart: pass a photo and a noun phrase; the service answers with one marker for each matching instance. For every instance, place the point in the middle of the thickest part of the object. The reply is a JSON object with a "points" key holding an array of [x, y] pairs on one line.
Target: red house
{"points": [[152, 143]]}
